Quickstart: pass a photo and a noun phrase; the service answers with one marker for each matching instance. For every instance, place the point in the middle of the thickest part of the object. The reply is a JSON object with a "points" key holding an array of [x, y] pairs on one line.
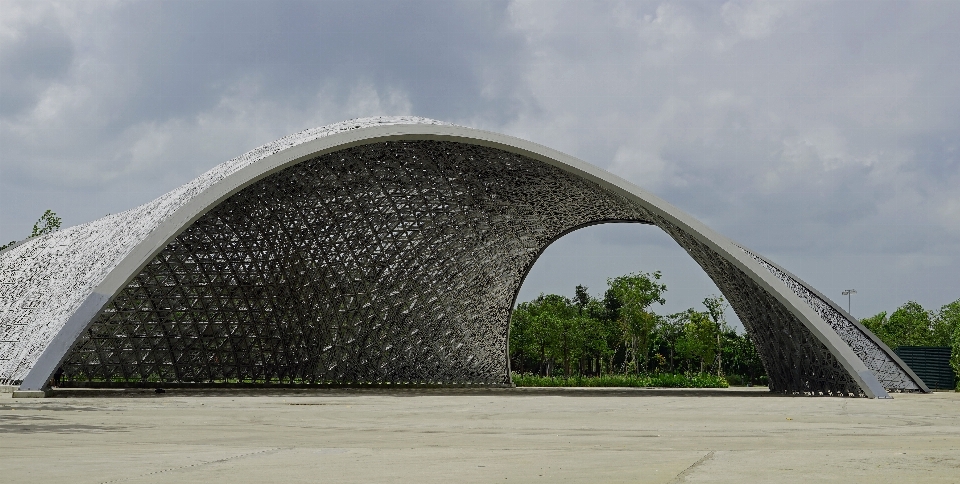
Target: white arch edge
{"points": [[51, 358]]}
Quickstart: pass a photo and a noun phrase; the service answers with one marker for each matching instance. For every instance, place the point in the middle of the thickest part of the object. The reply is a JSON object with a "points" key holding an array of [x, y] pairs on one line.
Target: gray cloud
{"points": [[161, 91], [185, 53], [39, 55], [822, 134]]}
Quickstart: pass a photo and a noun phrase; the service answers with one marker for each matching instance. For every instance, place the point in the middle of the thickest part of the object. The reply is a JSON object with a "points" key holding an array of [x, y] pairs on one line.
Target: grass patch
{"points": [[661, 381]]}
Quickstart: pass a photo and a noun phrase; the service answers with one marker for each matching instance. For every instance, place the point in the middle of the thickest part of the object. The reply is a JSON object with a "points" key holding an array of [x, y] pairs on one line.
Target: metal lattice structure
{"points": [[385, 250], [876, 355]]}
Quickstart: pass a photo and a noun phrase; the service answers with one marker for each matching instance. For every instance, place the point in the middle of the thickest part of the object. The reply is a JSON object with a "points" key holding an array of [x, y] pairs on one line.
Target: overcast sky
{"points": [[824, 135]]}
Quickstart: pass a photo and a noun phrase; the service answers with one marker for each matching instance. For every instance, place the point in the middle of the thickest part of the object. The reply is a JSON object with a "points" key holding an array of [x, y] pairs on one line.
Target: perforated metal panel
{"points": [[890, 371]]}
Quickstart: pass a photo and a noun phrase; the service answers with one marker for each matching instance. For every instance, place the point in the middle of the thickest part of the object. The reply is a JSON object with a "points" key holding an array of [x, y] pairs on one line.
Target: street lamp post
{"points": [[848, 293]]}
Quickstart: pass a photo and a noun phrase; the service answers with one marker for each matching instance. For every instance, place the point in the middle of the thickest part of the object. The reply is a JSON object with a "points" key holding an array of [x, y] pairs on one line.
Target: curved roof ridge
{"points": [[42, 285]]}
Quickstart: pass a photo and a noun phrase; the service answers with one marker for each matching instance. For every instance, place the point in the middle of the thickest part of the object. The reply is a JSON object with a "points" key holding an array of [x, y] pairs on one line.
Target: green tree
{"points": [[948, 321], [48, 222], [912, 324], [716, 305], [945, 323], [699, 338], [545, 330], [521, 338], [542, 333], [909, 325], [668, 336], [876, 324], [567, 340], [635, 293], [544, 336], [581, 298], [593, 343], [592, 338], [607, 312], [742, 357]]}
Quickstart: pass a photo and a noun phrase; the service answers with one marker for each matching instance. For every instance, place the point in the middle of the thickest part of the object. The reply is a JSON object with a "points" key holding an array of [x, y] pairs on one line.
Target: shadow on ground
{"points": [[26, 423]]}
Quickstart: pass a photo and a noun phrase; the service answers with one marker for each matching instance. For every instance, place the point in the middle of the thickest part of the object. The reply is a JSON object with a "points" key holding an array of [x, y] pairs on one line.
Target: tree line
{"points": [[912, 325], [619, 333]]}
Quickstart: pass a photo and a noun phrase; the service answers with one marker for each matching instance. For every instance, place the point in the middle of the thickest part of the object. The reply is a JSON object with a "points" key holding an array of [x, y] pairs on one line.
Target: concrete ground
{"points": [[495, 435]]}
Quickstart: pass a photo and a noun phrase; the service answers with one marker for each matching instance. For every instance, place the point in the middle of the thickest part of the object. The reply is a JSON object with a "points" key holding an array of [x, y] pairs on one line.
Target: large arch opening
{"points": [[585, 260], [591, 255]]}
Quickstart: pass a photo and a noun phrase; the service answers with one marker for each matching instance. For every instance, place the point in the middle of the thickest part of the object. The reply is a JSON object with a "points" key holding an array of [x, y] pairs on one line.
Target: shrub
{"points": [[665, 380]]}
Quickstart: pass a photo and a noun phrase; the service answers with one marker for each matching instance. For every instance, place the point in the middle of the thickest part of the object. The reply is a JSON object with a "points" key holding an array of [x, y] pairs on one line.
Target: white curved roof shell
{"points": [[43, 281]]}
